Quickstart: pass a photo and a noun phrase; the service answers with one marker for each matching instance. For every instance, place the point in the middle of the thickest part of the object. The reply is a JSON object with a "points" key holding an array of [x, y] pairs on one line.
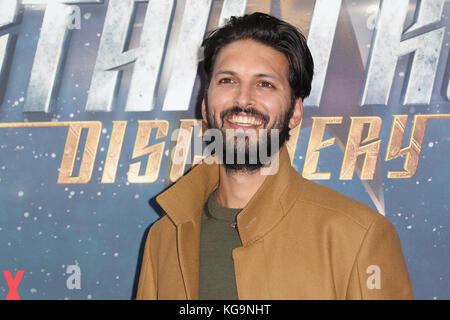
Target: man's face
{"points": [[249, 90]]}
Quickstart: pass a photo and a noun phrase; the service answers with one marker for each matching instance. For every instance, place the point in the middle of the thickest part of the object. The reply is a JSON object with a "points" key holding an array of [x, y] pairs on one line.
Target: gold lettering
{"points": [[354, 148], [114, 150], [413, 150], [71, 148], [182, 147], [154, 152], [315, 144]]}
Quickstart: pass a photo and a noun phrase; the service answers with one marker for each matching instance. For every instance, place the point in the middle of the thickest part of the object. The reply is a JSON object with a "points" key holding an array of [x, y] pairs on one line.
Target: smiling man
{"points": [[257, 229]]}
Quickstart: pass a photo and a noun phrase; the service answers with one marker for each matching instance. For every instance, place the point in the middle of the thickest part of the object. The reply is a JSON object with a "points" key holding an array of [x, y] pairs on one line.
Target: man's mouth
{"points": [[244, 120]]}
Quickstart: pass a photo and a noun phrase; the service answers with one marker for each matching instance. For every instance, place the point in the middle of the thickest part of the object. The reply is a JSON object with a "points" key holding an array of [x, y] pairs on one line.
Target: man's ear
{"points": [[297, 114], [204, 110]]}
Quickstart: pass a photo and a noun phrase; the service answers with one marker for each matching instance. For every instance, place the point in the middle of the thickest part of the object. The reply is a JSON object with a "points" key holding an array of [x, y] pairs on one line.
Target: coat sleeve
{"points": [[147, 284], [379, 271]]}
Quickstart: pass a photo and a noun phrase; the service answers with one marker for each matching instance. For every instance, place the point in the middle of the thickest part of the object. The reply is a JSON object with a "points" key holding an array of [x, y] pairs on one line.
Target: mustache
{"points": [[248, 111]]}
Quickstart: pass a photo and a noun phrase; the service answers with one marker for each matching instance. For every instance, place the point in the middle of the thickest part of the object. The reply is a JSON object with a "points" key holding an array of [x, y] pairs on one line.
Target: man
{"points": [[233, 231]]}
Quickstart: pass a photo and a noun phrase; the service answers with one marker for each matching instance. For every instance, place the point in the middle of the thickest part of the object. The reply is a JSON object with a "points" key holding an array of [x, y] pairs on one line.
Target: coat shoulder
{"points": [[331, 203]]}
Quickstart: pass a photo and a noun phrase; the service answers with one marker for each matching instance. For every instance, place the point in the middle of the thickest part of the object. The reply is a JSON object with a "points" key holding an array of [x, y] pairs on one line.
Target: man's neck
{"points": [[236, 188]]}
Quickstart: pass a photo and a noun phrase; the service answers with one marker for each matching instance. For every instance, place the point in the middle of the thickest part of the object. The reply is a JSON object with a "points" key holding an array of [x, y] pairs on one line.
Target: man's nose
{"points": [[244, 96]]}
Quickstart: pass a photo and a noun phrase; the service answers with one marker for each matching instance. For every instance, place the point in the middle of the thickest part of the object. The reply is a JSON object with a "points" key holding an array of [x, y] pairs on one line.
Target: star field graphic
{"points": [[47, 226]]}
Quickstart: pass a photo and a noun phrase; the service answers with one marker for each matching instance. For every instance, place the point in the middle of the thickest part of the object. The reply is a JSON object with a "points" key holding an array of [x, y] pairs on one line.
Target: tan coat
{"points": [[300, 240]]}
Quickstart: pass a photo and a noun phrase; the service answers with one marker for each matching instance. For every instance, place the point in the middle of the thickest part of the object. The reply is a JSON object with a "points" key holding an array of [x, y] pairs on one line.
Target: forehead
{"points": [[251, 57]]}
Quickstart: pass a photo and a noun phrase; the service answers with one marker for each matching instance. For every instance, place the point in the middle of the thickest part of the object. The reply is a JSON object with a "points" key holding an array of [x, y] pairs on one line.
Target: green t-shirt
{"points": [[217, 241]]}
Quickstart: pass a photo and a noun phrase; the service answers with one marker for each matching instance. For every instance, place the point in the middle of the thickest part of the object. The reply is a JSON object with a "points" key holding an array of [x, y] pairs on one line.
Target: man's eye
{"points": [[226, 80], [266, 84]]}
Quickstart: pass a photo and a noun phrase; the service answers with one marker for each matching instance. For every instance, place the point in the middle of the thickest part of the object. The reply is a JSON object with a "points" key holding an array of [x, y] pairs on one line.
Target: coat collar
{"points": [[183, 202]]}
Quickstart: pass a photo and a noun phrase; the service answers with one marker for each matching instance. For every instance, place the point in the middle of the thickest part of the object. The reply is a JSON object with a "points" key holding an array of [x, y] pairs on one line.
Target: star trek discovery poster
{"points": [[92, 93]]}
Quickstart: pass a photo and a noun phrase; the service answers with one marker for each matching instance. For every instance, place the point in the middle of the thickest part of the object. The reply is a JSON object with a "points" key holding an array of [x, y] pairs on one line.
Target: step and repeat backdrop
{"points": [[92, 93]]}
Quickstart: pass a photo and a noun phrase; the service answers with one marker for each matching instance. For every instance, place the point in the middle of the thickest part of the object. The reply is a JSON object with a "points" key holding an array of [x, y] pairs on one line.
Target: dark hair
{"points": [[272, 32]]}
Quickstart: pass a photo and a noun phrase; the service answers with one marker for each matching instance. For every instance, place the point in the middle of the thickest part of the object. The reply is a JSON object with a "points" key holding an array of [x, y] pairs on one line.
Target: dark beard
{"points": [[265, 140]]}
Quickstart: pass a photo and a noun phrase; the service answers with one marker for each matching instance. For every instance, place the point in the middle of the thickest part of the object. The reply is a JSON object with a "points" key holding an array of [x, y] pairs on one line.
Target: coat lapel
{"points": [[188, 251], [270, 203], [183, 203]]}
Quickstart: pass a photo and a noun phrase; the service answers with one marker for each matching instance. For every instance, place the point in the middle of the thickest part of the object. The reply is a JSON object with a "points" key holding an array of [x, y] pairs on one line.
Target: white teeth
{"points": [[245, 120]]}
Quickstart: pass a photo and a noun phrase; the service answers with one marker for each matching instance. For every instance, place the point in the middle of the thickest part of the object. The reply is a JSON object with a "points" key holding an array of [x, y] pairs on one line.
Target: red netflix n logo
{"points": [[13, 284]]}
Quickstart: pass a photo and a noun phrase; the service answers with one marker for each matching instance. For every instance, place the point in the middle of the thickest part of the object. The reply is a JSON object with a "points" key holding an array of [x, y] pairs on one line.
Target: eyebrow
{"points": [[258, 75]]}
